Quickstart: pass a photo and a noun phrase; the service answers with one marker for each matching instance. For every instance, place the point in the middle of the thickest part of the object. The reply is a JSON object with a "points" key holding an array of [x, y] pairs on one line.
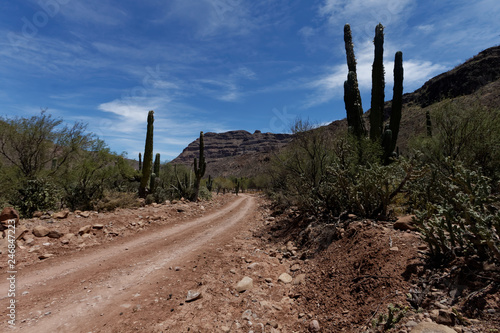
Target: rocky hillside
{"points": [[240, 153], [235, 152]]}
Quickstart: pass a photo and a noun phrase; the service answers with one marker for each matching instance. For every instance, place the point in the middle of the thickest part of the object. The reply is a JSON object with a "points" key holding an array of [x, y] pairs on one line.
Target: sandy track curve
{"points": [[81, 292]]}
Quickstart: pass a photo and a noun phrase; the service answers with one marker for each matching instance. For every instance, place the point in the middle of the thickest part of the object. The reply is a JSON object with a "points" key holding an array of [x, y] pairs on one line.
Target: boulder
{"points": [[37, 214], [314, 326], [425, 327], [55, 234], [61, 215], [244, 284], [299, 279], [285, 278], [405, 223], [8, 213], [20, 232], [192, 295], [45, 256], [85, 214], [40, 231], [84, 230]]}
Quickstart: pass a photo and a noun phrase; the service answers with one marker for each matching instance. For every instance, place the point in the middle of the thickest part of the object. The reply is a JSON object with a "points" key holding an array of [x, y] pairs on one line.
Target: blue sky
{"points": [[218, 65]]}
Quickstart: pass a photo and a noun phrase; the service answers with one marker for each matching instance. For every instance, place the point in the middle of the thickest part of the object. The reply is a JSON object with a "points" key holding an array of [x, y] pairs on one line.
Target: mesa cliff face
{"points": [[234, 152]]}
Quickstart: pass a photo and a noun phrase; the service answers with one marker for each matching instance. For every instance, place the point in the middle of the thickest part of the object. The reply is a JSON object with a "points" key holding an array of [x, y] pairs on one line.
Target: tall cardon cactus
{"points": [[378, 86], [352, 97], [148, 157]]}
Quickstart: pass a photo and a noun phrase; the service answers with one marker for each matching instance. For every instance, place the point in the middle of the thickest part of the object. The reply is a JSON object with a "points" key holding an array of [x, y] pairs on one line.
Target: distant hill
{"points": [[240, 153]]}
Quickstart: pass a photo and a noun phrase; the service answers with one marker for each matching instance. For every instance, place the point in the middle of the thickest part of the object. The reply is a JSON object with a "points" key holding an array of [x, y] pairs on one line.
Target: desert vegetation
{"points": [[448, 176]]}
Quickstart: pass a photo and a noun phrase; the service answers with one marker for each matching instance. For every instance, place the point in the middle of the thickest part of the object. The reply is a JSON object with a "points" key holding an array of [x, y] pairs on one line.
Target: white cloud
{"points": [[331, 84], [364, 15]]}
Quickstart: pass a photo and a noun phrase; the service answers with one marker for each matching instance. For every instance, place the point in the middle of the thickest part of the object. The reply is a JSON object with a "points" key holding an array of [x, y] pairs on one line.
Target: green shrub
{"points": [[37, 194], [331, 177], [461, 219]]}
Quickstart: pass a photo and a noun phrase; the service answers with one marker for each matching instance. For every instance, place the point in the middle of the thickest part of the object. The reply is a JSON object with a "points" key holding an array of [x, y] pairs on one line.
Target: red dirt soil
{"points": [[134, 273]]}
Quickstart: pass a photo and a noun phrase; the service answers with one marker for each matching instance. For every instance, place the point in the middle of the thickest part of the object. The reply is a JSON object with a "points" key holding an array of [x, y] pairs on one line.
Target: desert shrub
{"points": [[461, 218], [466, 133], [112, 200], [97, 171], [204, 194], [332, 177], [37, 194], [366, 190]]}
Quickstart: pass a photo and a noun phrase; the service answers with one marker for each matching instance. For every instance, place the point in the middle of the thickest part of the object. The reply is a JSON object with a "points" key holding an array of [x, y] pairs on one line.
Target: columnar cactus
{"points": [[140, 162], [378, 86], [387, 140], [199, 168], [352, 97], [397, 99], [210, 183], [156, 168], [237, 187], [148, 157], [428, 123]]}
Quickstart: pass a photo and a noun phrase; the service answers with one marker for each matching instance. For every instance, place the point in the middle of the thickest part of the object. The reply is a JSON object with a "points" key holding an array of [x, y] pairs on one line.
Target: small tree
{"points": [[33, 144]]}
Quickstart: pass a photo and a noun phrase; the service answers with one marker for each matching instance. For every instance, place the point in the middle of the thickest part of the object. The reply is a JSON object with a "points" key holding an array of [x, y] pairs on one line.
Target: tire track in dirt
{"points": [[77, 293]]}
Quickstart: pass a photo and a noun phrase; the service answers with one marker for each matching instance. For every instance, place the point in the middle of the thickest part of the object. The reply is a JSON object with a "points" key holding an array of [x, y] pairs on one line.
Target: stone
{"points": [[40, 231], [314, 326], [85, 214], [98, 226], [290, 246], [20, 232], [445, 317], [84, 230], [45, 256], [285, 278], [55, 234], [247, 315], [295, 268], [193, 295], [244, 284], [394, 249], [299, 279], [426, 327], [37, 214], [8, 213], [225, 329], [405, 223], [61, 215]]}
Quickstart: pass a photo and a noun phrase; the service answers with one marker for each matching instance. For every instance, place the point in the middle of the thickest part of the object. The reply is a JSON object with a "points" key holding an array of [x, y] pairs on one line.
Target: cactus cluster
{"points": [[387, 137], [199, 168]]}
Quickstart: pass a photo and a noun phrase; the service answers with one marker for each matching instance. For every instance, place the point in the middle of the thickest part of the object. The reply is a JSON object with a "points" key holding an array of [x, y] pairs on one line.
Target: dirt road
{"points": [[87, 291]]}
